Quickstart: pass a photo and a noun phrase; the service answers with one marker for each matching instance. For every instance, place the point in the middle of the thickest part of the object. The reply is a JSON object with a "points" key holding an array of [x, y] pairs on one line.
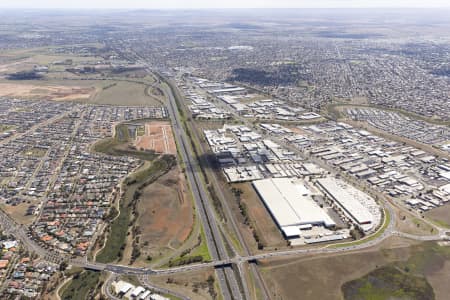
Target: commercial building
{"points": [[348, 201], [291, 205]]}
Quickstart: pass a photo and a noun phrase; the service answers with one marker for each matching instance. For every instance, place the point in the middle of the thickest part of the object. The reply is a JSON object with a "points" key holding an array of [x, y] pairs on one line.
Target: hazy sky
{"points": [[218, 3]]}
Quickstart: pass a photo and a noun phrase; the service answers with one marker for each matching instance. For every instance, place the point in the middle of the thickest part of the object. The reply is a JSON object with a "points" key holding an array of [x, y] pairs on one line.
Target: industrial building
{"points": [[291, 205], [348, 201]]}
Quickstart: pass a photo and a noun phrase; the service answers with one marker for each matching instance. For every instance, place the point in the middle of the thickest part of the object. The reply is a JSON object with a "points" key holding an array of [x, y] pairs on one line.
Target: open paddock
{"points": [[440, 215], [45, 92], [321, 276], [166, 214]]}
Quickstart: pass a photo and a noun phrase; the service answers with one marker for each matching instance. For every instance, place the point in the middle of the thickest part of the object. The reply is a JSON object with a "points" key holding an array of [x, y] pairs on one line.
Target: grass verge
{"points": [[82, 286], [116, 242]]}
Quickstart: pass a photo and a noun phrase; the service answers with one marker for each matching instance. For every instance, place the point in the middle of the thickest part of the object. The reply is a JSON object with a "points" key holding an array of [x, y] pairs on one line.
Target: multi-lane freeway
{"points": [[227, 279], [10, 227], [232, 286]]}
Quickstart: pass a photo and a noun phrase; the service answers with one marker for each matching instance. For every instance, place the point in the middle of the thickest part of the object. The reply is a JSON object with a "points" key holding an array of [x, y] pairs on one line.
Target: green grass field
{"points": [[401, 280], [202, 249], [388, 283], [35, 152], [199, 253], [118, 145], [4, 128], [124, 93], [81, 286]]}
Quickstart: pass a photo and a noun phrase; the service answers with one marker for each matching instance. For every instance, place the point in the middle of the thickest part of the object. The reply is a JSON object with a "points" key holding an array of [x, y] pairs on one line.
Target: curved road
{"points": [[226, 276]]}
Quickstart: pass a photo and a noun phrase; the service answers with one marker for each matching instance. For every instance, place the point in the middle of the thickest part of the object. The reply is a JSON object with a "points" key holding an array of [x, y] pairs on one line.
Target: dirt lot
{"points": [[18, 212], [62, 85], [440, 215], [192, 284], [158, 136], [439, 281], [45, 92], [166, 214], [321, 277], [408, 223], [13, 66]]}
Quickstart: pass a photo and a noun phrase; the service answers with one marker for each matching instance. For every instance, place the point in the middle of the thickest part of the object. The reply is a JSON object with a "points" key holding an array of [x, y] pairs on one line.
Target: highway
{"points": [[228, 281], [10, 227], [231, 219], [227, 277]]}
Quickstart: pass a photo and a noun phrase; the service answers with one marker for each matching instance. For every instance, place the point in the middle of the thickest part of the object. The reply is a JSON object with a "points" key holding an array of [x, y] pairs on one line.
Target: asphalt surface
{"points": [[10, 227], [220, 258], [227, 279]]}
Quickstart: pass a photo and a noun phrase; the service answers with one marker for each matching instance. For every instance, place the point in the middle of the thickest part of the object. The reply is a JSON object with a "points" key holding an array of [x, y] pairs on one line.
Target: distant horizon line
{"points": [[221, 8]]}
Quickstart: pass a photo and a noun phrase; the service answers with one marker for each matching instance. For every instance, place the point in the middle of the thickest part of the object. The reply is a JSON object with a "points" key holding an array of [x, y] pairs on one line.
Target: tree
{"points": [[63, 266]]}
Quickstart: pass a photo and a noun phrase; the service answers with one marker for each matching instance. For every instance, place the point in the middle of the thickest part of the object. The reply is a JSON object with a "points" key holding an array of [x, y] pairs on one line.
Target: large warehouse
{"points": [[350, 203], [291, 205]]}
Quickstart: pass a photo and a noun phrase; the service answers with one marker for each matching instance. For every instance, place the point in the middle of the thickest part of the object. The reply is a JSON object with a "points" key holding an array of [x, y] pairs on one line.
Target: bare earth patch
{"points": [[440, 214], [45, 92], [408, 223], [166, 214], [18, 212], [322, 277], [439, 281], [192, 284], [158, 136]]}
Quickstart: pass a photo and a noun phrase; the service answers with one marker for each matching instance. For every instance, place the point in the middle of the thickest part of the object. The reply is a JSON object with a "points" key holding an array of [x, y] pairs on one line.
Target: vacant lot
{"points": [[124, 93], [121, 145], [19, 212], [4, 128], [20, 59], [156, 213], [165, 214], [45, 91], [388, 282], [195, 285], [116, 240], [407, 279], [286, 278], [158, 137], [153, 168], [440, 215], [321, 277], [35, 152], [439, 281], [129, 88], [411, 224]]}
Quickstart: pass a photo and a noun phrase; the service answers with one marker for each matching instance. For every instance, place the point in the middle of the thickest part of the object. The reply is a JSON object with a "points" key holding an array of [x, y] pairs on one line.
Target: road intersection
{"points": [[232, 286]]}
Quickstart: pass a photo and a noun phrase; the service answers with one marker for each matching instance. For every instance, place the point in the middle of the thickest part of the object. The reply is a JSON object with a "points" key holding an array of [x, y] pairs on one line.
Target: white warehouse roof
{"points": [[289, 203], [122, 287], [137, 291], [346, 200]]}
